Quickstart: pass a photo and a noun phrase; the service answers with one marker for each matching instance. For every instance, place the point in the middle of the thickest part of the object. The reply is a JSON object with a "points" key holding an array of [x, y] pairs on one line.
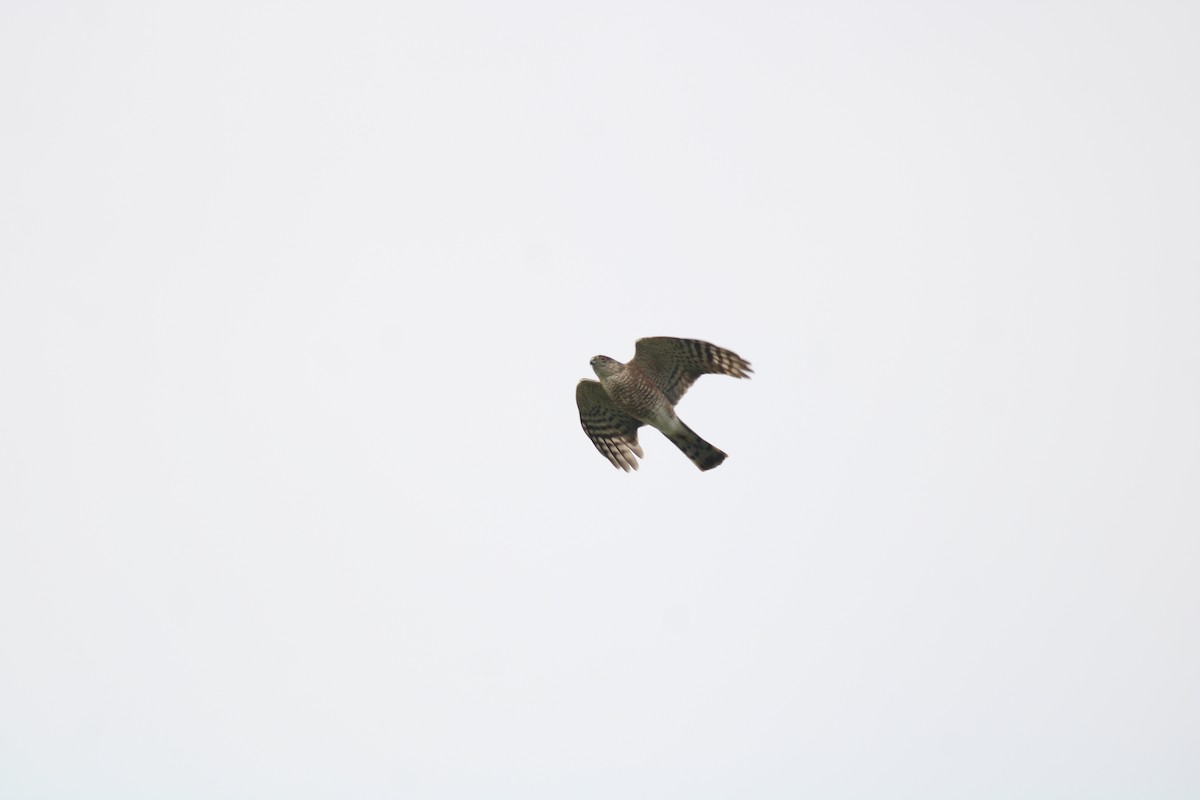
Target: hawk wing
{"points": [[613, 432], [675, 364]]}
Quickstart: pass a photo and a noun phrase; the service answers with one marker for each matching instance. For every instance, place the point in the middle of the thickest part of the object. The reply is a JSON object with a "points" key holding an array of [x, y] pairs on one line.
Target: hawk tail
{"points": [[702, 454]]}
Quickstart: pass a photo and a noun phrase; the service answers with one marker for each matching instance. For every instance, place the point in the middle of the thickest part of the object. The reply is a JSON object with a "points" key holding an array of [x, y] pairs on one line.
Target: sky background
{"points": [[293, 496]]}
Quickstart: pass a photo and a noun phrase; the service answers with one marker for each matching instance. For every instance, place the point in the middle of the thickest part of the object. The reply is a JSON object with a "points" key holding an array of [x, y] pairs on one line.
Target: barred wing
{"points": [[675, 364], [613, 432]]}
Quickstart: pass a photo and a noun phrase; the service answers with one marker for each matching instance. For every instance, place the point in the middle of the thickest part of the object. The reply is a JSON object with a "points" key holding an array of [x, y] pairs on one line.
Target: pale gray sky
{"points": [[295, 501]]}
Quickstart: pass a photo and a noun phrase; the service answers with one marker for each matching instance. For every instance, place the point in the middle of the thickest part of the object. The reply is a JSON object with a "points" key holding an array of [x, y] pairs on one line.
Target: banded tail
{"points": [[702, 454]]}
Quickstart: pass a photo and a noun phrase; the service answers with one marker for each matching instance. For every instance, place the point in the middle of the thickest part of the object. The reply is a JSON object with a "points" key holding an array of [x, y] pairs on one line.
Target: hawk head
{"points": [[606, 367]]}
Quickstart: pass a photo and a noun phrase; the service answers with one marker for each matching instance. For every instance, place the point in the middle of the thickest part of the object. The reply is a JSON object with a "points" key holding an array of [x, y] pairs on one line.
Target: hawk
{"points": [[645, 391]]}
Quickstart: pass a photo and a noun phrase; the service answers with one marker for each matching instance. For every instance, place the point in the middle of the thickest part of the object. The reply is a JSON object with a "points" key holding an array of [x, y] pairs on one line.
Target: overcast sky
{"points": [[294, 501]]}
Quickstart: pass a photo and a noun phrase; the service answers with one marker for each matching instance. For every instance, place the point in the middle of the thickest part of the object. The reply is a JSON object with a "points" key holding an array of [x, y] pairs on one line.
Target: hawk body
{"points": [[645, 391], [634, 392]]}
